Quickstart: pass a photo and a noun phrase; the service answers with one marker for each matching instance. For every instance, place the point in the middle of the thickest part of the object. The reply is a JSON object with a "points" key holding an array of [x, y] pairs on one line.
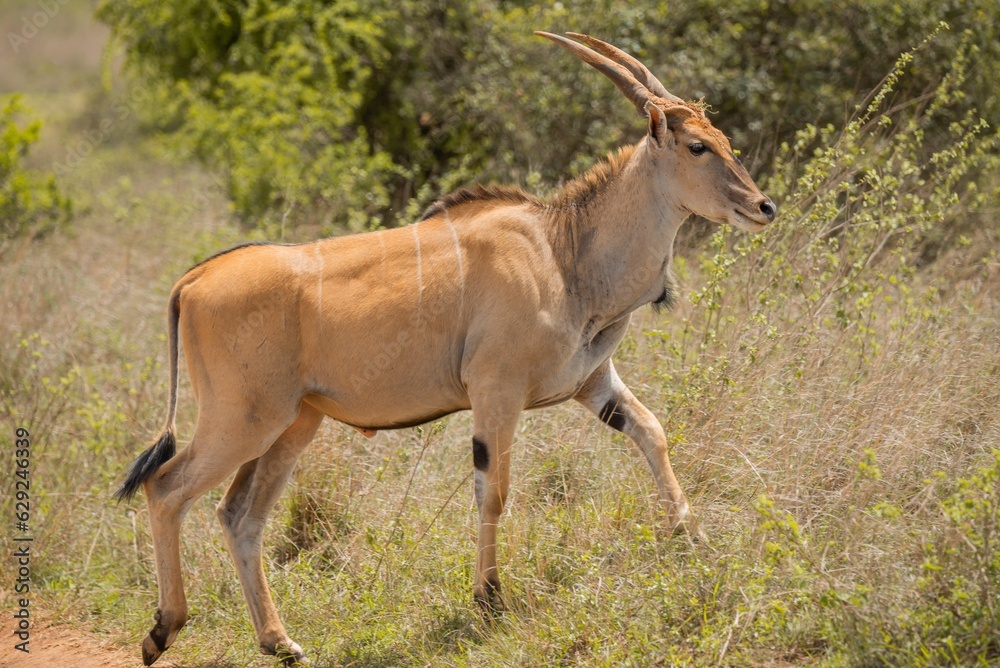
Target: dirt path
{"points": [[56, 645]]}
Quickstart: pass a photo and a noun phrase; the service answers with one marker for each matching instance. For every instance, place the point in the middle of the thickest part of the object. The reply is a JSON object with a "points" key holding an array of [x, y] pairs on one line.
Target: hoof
{"points": [[160, 637], [489, 599], [289, 655], [150, 651], [691, 529]]}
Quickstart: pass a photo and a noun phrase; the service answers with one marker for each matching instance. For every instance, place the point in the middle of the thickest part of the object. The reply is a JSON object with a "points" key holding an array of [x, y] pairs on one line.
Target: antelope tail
{"points": [[160, 452]]}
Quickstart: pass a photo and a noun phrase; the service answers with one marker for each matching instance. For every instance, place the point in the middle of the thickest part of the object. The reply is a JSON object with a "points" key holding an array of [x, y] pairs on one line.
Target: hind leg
{"points": [[243, 513], [216, 449]]}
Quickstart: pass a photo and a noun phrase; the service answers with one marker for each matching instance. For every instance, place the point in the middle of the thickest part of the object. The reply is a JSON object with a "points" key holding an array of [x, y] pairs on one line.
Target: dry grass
{"points": [[820, 450]]}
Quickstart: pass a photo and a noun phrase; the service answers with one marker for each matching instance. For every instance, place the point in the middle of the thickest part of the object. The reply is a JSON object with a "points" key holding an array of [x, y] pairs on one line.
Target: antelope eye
{"points": [[697, 148]]}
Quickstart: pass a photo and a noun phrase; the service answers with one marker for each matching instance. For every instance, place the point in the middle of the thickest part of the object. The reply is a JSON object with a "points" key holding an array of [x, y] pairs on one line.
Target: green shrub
{"points": [[938, 608], [862, 208], [831, 368], [361, 113], [31, 204], [834, 308], [957, 612]]}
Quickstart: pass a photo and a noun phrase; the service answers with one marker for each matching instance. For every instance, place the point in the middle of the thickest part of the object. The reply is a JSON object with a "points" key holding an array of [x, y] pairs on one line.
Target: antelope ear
{"points": [[658, 127], [661, 120]]}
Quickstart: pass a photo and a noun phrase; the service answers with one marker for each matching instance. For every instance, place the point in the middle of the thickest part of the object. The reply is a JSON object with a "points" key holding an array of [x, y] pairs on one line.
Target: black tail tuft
{"points": [[146, 465]]}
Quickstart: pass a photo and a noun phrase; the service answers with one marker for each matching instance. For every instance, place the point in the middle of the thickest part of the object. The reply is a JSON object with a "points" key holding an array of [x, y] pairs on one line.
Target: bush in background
{"points": [[827, 311], [828, 390], [362, 113], [31, 204]]}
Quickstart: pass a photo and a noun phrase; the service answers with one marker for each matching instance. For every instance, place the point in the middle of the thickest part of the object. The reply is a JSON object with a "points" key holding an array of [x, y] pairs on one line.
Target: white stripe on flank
{"points": [[319, 287], [458, 256], [420, 277]]}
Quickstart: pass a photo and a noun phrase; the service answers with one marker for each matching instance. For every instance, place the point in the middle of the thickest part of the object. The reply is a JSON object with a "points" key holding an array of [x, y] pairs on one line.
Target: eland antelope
{"points": [[495, 301]]}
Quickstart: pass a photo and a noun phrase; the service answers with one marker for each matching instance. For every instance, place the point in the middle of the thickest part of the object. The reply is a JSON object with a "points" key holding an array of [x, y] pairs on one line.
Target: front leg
{"points": [[494, 417], [606, 396]]}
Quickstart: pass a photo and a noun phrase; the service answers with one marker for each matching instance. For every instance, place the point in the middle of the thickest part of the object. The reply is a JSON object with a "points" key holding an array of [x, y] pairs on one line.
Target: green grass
{"points": [[829, 389]]}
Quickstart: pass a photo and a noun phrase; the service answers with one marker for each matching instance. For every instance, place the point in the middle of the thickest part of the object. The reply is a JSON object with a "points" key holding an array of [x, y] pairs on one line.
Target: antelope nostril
{"points": [[768, 209]]}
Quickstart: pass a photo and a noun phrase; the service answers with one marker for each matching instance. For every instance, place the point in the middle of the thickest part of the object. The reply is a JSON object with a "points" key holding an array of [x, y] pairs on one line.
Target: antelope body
{"points": [[495, 301]]}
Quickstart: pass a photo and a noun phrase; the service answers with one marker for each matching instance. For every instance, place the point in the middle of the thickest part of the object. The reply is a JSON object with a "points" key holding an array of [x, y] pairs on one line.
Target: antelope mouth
{"points": [[749, 223]]}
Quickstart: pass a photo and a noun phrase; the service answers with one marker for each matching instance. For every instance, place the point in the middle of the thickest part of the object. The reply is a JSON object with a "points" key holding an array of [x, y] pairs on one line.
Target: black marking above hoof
{"points": [[159, 638], [154, 644], [613, 416], [480, 455]]}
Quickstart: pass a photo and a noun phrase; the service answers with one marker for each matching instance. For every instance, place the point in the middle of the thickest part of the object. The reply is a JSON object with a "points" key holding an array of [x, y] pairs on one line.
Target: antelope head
{"points": [[695, 165]]}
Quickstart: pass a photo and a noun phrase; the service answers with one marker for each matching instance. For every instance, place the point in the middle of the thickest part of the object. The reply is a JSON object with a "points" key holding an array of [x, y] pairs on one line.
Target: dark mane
{"points": [[501, 194], [574, 195], [581, 190], [567, 233]]}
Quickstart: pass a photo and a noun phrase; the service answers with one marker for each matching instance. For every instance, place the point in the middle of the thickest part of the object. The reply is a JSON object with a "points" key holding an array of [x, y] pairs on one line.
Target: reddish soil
{"points": [[55, 645]]}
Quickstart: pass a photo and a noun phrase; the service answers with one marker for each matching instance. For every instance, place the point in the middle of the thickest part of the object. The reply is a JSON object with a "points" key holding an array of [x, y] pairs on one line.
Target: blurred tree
{"points": [[360, 113]]}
